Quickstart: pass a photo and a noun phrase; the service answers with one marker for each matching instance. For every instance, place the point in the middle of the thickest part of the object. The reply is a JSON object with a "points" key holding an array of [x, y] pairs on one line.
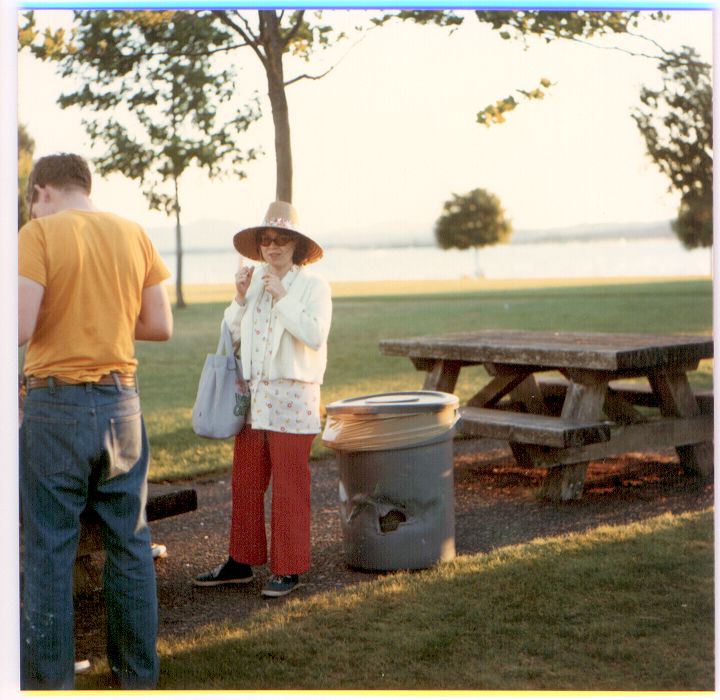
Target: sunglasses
{"points": [[281, 238]]}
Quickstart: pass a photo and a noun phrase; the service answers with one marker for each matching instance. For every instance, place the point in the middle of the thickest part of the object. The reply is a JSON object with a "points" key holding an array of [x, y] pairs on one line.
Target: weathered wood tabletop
{"points": [[586, 413]]}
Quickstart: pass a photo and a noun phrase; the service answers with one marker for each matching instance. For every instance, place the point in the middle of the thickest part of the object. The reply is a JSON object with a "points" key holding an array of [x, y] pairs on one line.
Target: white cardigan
{"points": [[301, 327]]}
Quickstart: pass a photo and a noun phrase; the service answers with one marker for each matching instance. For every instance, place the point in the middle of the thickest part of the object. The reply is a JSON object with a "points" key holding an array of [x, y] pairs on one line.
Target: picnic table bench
{"points": [[586, 409]]}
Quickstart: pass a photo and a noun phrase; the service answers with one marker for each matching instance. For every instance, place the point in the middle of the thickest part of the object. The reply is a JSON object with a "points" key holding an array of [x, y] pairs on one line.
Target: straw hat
{"points": [[281, 216]]}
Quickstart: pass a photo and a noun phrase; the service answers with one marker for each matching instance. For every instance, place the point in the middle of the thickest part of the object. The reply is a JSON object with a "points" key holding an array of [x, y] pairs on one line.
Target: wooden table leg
{"points": [[583, 403], [442, 376], [564, 483], [676, 398], [519, 383], [528, 393], [498, 387]]}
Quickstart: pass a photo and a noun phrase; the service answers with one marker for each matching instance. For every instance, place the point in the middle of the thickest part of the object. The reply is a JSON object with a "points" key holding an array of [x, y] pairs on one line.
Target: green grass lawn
{"points": [[627, 608], [618, 608], [365, 313]]}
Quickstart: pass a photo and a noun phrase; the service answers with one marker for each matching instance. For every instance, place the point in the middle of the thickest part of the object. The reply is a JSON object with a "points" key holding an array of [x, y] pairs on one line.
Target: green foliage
{"points": [[52, 45], [495, 114], [440, 18], [26, 148], [120, 49], [552, 25], [309, 35], [148, 77], [299, 33], [520, 24], [694, 224], [472, 220], [677, 127]]}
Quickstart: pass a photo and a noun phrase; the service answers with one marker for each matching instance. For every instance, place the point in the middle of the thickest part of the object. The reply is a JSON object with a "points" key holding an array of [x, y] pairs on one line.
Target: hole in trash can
{"points": [[391, 521]]}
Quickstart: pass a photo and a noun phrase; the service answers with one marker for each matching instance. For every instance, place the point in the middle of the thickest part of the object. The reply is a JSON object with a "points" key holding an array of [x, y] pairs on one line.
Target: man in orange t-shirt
{"points": [[90, 284]]}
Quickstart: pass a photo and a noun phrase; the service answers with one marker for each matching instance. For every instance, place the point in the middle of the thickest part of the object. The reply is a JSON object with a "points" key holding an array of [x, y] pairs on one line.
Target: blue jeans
{"points": [[85, 445]]}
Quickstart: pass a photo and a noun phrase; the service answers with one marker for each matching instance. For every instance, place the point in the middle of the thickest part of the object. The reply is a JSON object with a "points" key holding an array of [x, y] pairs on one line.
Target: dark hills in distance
{"points": [[216, 236]]}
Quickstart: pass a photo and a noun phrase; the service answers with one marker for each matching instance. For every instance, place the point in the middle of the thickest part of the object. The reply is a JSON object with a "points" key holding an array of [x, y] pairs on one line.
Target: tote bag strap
{"points": [[225, 347], [225, 343]]}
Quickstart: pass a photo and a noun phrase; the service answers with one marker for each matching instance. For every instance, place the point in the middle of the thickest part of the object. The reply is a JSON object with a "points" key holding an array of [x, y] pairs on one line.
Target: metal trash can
{"points": [[395, 457]]}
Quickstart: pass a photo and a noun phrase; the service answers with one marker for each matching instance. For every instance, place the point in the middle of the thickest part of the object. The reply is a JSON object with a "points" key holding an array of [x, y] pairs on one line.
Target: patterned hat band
{"points": [[282, 223]]}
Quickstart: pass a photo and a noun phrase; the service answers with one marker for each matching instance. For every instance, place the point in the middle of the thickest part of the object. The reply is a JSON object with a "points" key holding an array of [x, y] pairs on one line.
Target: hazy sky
{"points": [[390, 133]]}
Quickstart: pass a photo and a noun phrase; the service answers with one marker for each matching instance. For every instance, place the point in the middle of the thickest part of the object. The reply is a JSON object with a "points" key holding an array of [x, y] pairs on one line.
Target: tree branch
{"points": [[246, 34], [668, 55], [61, 56], [294, 30], [248, 28], [305, 76], [206, 52]]}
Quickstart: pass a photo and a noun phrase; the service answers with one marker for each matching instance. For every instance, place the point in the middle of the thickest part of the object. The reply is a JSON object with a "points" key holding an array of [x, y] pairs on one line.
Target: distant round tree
{"points": [[472, 220]]}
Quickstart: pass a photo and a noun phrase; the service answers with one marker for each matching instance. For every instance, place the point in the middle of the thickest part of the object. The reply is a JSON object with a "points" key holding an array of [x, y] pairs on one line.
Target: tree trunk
{"points": [[180, 300], [271, 40], [478, 272]]}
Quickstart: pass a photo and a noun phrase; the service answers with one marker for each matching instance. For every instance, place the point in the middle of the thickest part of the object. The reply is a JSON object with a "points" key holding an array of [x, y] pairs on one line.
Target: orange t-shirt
{"points": [[94, 266]]}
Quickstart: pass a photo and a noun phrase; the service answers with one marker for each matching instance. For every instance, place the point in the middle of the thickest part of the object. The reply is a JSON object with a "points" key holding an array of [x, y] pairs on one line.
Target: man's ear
{"points": [[43, 195], [33, 200]]}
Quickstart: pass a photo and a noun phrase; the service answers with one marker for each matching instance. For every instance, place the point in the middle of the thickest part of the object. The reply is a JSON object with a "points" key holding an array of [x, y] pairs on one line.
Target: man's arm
{"points": [[30, 296], [155, 321]]}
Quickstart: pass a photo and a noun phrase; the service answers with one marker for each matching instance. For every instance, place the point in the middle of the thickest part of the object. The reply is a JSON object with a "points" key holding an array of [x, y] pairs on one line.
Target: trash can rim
{"points": [[405, 402]]}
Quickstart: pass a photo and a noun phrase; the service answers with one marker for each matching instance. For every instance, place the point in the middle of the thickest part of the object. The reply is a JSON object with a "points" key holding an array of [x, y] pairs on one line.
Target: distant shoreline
{"points": [[200, 293], [401, 245], [216, 236]]}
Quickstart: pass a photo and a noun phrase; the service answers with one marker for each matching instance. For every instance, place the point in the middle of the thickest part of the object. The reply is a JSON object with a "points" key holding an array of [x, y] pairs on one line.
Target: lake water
{"points": [[597, 258]]}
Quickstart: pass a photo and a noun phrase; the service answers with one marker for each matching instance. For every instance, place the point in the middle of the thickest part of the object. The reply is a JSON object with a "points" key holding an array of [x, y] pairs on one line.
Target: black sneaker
{"points": [[280, 585], [229, 572]]}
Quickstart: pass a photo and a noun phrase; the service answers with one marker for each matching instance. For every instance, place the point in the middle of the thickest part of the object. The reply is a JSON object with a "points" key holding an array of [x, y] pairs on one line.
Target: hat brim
{"points": [[245, 242]]}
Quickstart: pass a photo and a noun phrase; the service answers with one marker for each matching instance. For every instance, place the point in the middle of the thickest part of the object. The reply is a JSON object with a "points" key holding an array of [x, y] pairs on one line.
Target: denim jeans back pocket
{"points": [[48, 444], [125, 444]]}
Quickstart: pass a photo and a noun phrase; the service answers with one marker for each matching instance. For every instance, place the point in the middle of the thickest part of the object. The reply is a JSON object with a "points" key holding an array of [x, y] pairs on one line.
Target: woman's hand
{"points": [[273, 286], [242, 281]]}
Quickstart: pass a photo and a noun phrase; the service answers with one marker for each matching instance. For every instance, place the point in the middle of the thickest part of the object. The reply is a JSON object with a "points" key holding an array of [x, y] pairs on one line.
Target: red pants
{"points": [[260, 455]]}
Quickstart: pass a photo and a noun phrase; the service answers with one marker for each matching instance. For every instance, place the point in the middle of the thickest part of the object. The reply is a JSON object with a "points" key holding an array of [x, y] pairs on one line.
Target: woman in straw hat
{"points": [[281, 319]]}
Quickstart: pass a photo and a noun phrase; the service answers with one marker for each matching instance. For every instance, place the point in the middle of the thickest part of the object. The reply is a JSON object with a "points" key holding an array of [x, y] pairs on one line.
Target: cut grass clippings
{"points": [[617, 608]]}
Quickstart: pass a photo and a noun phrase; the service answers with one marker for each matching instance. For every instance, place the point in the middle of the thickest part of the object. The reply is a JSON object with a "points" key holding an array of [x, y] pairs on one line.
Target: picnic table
{"points": [[562, 399]]}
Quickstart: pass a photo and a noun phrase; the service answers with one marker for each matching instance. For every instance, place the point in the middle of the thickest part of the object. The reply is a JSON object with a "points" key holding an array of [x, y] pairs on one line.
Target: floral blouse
{"points": [[281, 405]]}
